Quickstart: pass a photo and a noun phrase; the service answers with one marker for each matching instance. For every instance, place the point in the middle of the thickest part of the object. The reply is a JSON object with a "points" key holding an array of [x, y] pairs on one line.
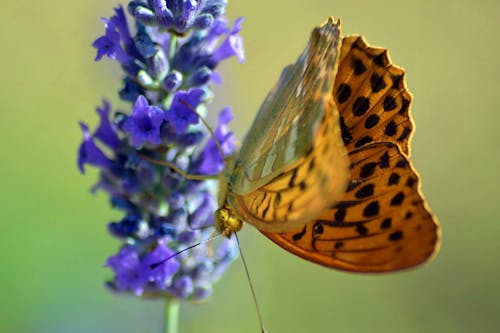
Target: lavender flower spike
{"points": [[168, 62]]}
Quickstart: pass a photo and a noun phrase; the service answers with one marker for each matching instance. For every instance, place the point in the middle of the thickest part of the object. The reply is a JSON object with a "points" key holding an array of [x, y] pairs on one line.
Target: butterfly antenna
{"points": [[156, 264], [261, 322], [177, 170], [210, 130]]}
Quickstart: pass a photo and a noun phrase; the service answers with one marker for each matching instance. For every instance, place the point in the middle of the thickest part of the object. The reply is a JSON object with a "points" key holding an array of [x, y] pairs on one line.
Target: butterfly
{"points": [[324, 171]]}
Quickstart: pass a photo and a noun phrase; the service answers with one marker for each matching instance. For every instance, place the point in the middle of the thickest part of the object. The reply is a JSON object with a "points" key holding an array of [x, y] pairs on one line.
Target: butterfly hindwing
{"points": [[382, 223]]}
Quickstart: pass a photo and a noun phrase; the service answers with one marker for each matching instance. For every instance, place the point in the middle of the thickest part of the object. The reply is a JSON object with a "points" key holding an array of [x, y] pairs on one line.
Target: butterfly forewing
{"points": [[287, 122], [302, 191], [293, 163], [381, 224]]}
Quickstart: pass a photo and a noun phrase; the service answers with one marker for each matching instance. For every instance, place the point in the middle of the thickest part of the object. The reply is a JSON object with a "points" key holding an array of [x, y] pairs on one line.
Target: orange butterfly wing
{"points": [[372, 97], [301, 190], [293, 163], [382, 222]]}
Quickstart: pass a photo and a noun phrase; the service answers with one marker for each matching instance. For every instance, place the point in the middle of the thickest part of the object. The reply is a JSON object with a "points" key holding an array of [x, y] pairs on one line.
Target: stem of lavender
{"points": [[171, 322], [172, 46]]}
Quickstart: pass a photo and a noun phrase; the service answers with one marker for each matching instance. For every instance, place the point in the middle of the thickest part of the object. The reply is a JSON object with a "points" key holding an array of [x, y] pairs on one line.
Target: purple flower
{"points": [[129, 274], [218, 29], [172, 81], [232, 45], [89, 153], [127, 227], [120, 22], [106, 132], [182, 287], [222, 132], [210, 160], [162, 275], [179, 15], [134, 273], [200, 54], [109, 44], [130, 91], [144, 123], [181, 114]]}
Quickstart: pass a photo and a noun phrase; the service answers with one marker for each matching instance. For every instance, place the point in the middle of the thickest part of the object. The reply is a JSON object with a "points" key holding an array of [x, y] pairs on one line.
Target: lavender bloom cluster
{"points": [[169, 60]]}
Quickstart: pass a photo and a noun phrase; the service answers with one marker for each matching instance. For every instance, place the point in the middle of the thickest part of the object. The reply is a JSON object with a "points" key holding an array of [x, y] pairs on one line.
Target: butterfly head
{"points": [[227, 222]]}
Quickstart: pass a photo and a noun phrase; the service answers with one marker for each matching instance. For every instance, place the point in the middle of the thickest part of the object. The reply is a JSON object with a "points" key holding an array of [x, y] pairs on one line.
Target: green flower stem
{"points": [[172, 48], [171, 323]]}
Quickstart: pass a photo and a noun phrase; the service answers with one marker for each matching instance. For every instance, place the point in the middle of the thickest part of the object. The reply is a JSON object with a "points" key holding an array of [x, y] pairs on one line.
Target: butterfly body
{"points": [[324, 170]]}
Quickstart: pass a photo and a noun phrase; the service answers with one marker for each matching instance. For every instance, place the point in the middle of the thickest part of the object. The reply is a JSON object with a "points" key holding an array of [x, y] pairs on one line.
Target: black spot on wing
{"points": [[363, 141], [396, 81], [410, 182], [302, 186], [398, 199], [360, 106], [395, 236], [393, 179], [381, 59], [340, 214], [384, 161], [365, 191], [299, 235], [358, 66], [361, 229], [343, 93], [389, 103], [404, 107], [391, 128], [386, 223], [372, 121], [368, 169], [346, 135], [291, 183], [404, 135], [377, 82], [372, 209]]}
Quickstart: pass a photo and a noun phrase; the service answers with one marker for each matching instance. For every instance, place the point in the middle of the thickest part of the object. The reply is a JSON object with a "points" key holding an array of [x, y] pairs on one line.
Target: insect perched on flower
{"points": [[324, 170]]}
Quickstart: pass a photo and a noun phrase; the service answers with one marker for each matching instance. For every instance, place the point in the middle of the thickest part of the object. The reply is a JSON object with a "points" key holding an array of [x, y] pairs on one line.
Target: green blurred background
{"points": [[53, 239]]}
